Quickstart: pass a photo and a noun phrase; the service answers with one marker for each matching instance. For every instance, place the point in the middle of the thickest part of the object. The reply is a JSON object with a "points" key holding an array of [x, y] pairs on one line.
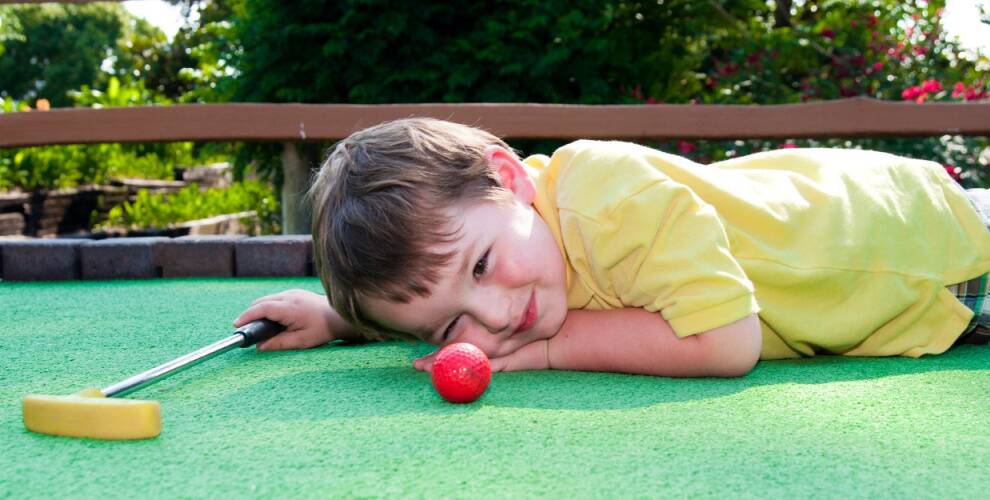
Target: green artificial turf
{"points": [[360, 421]]}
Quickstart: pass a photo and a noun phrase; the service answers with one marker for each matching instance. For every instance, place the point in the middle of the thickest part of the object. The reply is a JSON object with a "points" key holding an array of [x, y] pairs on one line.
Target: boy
{"points": [[609, 256]]}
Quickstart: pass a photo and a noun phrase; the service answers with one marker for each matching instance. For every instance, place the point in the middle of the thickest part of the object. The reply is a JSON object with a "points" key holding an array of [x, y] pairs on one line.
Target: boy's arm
{"points": [[638, 341]]}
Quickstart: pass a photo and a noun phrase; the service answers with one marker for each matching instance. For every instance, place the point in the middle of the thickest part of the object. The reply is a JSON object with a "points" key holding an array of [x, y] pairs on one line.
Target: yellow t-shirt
{"points": [[840, 251]]}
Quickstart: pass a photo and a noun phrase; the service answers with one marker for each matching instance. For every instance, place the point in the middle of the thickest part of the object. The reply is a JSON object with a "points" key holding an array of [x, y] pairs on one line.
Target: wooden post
{"points": [[295, 182]]}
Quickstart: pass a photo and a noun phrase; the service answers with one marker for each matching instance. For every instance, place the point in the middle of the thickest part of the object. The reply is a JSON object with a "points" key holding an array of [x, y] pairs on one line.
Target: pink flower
{"points": [[787, 145], [911, 93], [877, 66], [952, 171], [959, 90], [973, 95], [827, 33], [931, 86], [968, 92], [686, 147]]}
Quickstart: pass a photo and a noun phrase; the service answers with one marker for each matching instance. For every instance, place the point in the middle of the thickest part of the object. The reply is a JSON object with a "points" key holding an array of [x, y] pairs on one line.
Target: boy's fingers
{"points": [[501, 364], [282, 342], [425, 363], [274, 311], [532, 356], [274, 296], [497, 364]]}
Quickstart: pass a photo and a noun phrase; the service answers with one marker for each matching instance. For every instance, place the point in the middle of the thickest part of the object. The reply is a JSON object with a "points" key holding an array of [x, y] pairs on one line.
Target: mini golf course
{"points": [[358, 420]]}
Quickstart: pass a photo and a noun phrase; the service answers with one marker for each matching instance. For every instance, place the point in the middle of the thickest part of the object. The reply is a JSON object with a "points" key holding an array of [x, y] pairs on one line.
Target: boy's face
{"points": [[505, 285]]}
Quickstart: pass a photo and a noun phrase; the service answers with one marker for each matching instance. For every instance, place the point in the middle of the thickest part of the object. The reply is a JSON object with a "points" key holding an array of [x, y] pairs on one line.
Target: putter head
{"points": [[90, 414]]}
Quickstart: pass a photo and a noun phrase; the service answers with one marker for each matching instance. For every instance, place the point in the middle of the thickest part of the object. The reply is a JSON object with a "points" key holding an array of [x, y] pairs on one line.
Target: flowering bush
{"points": [[885, 50]]}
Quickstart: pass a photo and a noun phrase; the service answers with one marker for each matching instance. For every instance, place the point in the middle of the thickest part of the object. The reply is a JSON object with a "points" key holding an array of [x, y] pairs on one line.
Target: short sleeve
{"points": [[653, 243]]}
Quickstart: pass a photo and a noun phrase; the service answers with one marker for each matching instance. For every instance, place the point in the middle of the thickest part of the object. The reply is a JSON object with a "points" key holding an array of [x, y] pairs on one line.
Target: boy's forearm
{"points": [[638, 341], [340, 329]]}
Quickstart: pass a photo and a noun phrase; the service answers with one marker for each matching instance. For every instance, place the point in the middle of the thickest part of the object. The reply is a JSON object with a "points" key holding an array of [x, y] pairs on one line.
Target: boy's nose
{"points": [[494, 312]]}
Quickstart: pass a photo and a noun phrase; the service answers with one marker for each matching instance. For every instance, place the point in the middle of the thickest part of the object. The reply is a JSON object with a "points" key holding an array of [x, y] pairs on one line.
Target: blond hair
{"points": [[379, 204]]}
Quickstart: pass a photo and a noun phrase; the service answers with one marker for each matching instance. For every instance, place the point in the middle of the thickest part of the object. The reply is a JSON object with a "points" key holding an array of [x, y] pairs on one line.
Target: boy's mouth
{"points": [[529, 315]]}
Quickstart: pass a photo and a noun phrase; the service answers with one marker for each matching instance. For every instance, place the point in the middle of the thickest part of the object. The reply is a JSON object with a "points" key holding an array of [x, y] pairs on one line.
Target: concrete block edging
{"points": [[156, 257]]}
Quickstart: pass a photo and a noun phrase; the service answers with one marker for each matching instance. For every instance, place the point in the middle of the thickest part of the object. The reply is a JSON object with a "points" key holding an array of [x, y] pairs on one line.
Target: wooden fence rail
{"points": [[293, 123], [309, 122]]}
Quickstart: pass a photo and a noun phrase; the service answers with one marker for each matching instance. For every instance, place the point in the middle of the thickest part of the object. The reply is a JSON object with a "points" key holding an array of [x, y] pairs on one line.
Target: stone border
{"points": [[156, 257]]}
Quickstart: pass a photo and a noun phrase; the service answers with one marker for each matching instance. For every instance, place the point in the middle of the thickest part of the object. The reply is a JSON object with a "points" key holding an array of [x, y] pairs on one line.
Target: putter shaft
{"points": [[247, 335]]}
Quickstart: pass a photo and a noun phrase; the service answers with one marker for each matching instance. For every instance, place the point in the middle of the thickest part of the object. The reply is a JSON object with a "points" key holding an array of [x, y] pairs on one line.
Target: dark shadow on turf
{"points": [[363, 392]]}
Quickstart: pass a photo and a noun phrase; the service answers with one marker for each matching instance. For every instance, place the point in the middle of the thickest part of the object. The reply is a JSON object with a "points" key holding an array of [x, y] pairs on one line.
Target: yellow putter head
{"points": [[90, 414], [99, 414]]}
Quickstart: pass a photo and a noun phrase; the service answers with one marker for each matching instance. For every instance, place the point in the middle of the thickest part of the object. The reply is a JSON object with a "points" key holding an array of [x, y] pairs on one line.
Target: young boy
{"points": [[609, 256]]}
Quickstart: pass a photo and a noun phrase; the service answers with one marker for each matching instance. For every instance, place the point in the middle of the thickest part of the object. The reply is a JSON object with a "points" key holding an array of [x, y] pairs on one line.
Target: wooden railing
{"points": [[293, 123], [308, 122]]}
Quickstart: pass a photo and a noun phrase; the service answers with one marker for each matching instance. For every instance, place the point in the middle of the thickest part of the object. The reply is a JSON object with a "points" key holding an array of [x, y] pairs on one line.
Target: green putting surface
{"points": [[360, 421]]}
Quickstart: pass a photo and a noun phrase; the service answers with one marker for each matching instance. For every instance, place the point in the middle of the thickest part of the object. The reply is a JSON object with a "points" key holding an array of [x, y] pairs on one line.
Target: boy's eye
{"points": [[481, 266], [449, 330]]}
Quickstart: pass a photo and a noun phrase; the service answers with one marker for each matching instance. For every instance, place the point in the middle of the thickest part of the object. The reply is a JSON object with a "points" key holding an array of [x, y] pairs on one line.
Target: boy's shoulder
{"points": [[591, 178]]}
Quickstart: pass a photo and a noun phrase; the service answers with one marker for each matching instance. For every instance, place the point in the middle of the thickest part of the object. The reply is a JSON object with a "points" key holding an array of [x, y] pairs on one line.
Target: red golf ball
{"points": [[461, 373]]}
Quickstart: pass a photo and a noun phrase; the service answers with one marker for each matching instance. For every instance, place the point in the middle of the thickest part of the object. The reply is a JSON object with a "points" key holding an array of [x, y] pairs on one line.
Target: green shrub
{"points": [[163, 210], [51, 167]]}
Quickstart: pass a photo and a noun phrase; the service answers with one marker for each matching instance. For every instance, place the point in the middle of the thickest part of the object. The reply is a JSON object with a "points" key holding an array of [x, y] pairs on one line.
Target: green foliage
{"points": [[116, 95], [164, 210], [377, 51], [203, 54], [10, 29], [49, 167], [57, 48]]}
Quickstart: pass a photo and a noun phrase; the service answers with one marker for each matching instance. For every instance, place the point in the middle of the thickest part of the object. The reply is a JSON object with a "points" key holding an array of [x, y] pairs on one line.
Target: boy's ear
{"points": [[511, 173]]}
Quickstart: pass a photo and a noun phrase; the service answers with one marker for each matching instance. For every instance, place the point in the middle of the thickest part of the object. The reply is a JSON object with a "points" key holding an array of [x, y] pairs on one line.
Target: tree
{"points": [[380, 51], [58, 48], [10, 29]]}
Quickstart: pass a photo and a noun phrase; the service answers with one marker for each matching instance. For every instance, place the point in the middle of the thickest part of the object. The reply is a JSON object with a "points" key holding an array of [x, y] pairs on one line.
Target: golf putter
{"points": [[99, 414]]}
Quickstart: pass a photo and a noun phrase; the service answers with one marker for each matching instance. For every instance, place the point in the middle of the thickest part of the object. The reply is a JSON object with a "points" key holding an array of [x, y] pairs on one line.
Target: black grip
{"points": [[260, 330]]}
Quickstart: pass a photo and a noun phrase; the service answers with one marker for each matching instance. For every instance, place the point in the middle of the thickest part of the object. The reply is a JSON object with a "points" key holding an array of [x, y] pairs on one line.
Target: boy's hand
{"points": [[308, 318], [532, 356]]}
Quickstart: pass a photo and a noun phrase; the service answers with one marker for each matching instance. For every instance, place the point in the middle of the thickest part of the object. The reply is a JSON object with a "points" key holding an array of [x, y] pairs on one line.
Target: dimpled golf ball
{"points": [[461, 373]]}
